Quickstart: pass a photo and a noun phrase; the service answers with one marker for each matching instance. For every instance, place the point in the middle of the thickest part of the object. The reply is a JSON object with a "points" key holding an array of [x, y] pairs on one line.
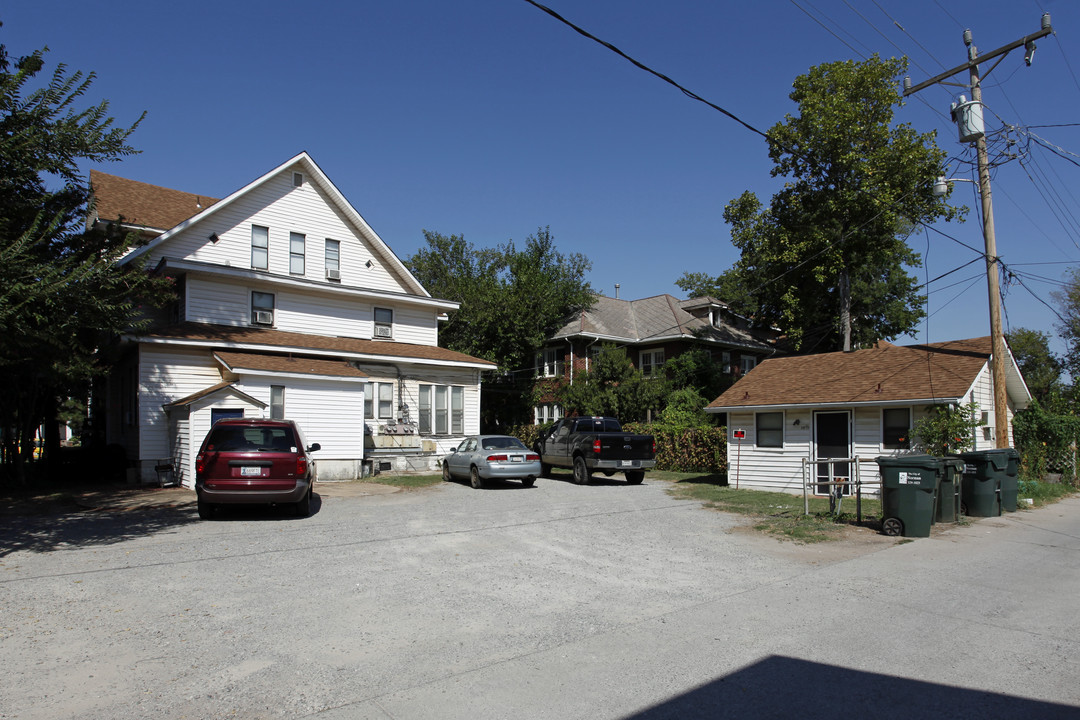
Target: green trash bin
{"points": [[980, 488], [1009, 484], [948, 500], [909, 486]]}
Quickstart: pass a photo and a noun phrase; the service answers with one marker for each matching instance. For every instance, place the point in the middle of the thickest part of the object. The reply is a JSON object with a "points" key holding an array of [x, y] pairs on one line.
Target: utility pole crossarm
{"points": [[978, 59]]}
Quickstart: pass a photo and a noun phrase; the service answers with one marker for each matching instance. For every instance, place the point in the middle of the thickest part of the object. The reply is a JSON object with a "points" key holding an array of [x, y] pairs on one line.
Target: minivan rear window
{"points": [[250, 439]]}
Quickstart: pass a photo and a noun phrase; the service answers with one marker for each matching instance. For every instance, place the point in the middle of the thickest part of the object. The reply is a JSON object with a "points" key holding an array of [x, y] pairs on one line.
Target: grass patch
{"points": [[1041, 493], [407, 482], [774, 513]]}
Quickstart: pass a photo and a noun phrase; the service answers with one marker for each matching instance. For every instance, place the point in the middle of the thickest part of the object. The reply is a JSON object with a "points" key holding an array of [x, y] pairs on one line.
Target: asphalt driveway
{"points": [[559, 601]]}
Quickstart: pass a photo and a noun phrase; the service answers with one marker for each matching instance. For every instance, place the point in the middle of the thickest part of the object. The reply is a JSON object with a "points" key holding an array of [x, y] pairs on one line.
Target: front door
{"points": [[832, 439]]}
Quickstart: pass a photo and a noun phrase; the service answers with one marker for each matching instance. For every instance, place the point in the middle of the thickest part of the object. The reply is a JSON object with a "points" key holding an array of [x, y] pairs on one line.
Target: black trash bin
{"points": [[948, 500], [909, 486], [1009, 481], [980, 488]]}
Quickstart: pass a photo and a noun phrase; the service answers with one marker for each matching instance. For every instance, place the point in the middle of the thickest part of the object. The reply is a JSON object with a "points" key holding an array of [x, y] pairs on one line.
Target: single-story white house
{"points": [[788, 413]]}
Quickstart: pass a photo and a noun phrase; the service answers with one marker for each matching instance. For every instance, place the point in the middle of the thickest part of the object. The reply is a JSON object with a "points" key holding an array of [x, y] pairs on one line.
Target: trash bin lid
{"points": [[919, 462], [953, 461], [999, 459]]}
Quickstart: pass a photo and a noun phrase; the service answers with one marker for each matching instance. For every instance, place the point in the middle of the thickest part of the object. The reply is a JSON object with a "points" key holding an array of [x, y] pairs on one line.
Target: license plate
{"points": [[516, 458], [250, 471], [628, 463]]}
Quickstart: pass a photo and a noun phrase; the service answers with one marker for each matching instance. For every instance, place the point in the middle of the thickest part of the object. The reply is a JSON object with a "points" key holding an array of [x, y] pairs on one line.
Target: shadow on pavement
{"points": [[782, 687]]}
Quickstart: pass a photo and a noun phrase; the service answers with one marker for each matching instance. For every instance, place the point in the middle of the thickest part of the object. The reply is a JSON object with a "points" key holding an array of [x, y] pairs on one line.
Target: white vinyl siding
{"points": [[278, 206]]}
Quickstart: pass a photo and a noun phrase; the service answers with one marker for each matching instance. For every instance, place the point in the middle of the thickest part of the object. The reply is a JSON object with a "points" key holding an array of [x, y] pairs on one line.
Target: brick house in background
{"points": [[652, 330]]}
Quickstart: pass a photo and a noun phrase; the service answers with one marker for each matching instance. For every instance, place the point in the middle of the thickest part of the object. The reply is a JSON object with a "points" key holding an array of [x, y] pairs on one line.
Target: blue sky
{"points": [[488, 118]]}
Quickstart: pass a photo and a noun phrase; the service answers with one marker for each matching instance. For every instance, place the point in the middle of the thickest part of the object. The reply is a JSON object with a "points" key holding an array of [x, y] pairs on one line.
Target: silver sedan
{"points": [[484, 457]]}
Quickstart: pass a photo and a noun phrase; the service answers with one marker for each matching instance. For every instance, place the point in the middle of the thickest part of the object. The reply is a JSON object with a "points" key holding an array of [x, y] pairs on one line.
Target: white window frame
{"points": [[747, 363], [885, 444], [332, 259], [296, 256], [547, 413], [758, 429], [260, 247], [550, 362], [378, 401], [277, 402], [651, 362], [441, 410], [388, 324]]}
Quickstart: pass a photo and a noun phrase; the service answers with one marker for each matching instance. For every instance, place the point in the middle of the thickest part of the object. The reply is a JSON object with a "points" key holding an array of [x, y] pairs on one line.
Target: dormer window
{"points": [[262, 308], [384, 323]]}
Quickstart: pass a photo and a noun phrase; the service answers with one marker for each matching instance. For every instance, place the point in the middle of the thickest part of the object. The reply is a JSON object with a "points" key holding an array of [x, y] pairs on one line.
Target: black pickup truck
{"points": [[591, 444]]}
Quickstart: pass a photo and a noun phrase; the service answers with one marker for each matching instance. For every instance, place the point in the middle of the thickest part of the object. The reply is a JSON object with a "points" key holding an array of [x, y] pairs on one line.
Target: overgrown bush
{"points": [[1046, 442]]}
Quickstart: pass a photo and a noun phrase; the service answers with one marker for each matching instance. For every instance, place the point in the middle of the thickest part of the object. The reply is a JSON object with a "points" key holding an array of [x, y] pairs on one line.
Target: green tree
{"points": [[1068, 299], [61, 292], [946, 429], [1040, 368], [827, 259], [697, 370], [728, 287], [613, 387], [511, 300]]}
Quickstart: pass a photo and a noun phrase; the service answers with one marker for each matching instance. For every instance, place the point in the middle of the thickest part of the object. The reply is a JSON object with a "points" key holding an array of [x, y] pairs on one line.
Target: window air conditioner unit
{"points": [[333, 274], [382, 331], [264, 317]]}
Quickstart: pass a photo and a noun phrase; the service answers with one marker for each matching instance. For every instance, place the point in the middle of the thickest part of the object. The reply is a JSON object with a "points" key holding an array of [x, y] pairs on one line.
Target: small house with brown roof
{"points": [[652, 330], [288, 305], [790, 414]]}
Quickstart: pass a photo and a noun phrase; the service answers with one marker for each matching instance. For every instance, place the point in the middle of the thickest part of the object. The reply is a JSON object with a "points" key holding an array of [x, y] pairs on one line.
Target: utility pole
{"points": [[997, 336]]}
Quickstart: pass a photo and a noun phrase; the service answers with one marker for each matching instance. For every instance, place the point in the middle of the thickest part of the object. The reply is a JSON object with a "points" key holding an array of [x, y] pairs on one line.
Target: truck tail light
{"points": [[654, 446], [596, 446]]}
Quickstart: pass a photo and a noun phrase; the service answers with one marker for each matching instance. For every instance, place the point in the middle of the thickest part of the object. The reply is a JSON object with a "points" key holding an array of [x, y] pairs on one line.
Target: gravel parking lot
{"points": [[560, 601]]}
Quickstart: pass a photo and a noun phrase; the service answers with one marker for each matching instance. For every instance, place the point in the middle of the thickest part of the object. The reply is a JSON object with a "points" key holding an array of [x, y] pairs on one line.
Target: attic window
{"points": [[297, 179]]}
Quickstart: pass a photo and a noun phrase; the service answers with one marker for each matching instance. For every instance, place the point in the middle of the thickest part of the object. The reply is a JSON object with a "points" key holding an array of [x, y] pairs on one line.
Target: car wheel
{"points": [[303, 508], [581, 471], [446, 472], [528, 481], [206, 510], [634, 477], [892, 527], [474, 478]]}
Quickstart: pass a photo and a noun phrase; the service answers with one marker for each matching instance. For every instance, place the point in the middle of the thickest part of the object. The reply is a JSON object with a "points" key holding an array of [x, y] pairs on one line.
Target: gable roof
{"points": [[884, 374], [305, 164], [208, 391], [256, 339], [141, 204], [655, 319]]}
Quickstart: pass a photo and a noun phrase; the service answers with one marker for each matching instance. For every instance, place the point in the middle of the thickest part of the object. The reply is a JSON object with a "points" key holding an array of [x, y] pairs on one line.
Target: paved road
{"points": [[559, 602]]}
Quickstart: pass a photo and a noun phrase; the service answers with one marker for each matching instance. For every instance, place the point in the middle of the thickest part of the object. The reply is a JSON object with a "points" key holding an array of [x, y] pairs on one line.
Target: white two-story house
{"points": [[288, 305]]}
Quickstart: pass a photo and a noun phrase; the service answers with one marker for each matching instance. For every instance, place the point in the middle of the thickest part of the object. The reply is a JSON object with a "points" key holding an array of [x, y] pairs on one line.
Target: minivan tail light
{"points": [[200, 463], [301, 465]]}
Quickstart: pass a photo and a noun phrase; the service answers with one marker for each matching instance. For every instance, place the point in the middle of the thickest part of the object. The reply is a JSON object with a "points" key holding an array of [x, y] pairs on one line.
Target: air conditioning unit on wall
{"points": [[382, 331], [264, 317], [333, 274]]}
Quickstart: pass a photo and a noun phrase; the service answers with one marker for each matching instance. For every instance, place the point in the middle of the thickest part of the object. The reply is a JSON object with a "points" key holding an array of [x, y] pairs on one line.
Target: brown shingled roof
{"points": [[277, 339], [884, 373], [144, 204], [236, 361]]}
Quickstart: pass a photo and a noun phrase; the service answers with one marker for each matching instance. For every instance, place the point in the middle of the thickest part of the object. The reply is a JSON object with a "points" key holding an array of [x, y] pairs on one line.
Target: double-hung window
{"points": [[333, 259], [296, 253], [262, 308], [277, 402], [550, 363], [652, 363], [896, 428], [379, 401], [442, 410], [384, 322], [747, 363], [770, 429], [260, 247]]}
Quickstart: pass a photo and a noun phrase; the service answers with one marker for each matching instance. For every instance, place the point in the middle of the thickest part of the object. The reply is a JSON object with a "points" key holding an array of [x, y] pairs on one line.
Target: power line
{"points": [[646, 68]]}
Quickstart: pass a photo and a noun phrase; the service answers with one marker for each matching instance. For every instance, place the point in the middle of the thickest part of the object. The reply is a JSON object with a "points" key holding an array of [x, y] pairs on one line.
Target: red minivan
{"points": [[254, 461]]}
